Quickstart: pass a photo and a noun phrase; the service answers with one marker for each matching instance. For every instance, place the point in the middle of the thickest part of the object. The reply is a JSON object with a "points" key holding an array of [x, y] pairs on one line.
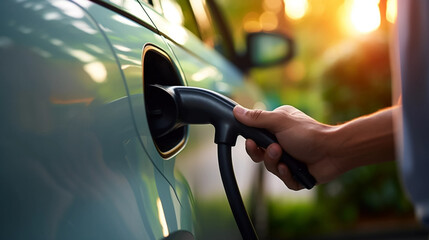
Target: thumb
{"points": [[257, 118]]}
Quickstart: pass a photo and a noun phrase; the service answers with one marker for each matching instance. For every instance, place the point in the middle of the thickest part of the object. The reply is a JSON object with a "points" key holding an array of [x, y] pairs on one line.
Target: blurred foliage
{"points": [[372, 191], [215, 220], [357, 81], [298, 219]]}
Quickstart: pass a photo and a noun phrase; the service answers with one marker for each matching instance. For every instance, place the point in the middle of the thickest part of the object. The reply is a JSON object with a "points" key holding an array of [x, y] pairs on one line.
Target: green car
{"points": [[77, 159]]}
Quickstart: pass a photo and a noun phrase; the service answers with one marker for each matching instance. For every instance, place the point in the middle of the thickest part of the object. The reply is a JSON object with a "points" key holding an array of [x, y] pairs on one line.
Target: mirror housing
{"points": [[265, 49]]}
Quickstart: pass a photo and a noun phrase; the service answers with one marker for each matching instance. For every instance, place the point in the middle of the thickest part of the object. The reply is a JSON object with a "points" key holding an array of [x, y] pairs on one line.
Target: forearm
{"points": [[365, 140], [328, 151]]}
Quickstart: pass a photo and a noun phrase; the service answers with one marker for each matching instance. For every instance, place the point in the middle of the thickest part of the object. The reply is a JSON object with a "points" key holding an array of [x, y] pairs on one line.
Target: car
{"points": [[78, 160]]}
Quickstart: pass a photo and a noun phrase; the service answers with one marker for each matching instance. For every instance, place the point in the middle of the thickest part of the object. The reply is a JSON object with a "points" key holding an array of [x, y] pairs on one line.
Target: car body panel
{"points": [[128, 40], [72, 162]]}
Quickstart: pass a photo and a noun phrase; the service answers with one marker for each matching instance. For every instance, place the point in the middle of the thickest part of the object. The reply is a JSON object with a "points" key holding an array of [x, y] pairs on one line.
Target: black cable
{"points": [[233, 193]]}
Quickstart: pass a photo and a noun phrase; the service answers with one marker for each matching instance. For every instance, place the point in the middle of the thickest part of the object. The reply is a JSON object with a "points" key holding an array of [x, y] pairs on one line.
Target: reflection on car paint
{"points": [[72, 163]]}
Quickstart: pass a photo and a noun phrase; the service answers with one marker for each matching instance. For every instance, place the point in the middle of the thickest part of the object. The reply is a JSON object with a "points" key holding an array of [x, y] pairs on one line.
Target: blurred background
{"points": [[340, 71]]}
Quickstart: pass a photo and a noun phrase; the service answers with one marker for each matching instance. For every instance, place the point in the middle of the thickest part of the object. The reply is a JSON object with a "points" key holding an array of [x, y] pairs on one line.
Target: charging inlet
{"points": [[159, 69]]}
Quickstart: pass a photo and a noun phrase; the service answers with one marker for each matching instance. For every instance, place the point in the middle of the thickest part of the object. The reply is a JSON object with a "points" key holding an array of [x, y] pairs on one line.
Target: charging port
{"points": [[159, 69]]}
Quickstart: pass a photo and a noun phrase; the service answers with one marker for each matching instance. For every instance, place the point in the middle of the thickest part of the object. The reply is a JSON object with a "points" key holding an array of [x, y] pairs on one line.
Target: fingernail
{"points": [[240, 110], [272, 153], [281, 171]]}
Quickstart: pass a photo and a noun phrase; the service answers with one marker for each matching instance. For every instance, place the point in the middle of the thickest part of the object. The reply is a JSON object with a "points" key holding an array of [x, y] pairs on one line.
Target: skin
{"points": [[328, 150]]}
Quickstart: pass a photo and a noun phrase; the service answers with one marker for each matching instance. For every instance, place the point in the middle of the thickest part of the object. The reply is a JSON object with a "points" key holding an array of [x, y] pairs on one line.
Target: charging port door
{"points": [[158, 69]]}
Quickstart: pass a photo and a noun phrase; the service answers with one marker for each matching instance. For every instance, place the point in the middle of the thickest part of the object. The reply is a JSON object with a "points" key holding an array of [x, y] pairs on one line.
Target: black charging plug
{"points": [[174, 107], [177, 106]]}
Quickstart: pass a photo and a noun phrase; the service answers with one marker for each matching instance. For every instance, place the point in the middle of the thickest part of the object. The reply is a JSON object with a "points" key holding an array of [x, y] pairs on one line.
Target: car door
{"points": [[75, 161], [136, 43]]}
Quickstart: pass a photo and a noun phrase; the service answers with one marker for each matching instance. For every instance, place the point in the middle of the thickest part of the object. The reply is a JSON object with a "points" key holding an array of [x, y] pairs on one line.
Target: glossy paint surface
{"points": [[73, 164]]}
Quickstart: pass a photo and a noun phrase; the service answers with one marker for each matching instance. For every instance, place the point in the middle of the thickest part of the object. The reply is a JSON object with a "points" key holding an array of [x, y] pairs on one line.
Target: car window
{"points": [[180, 12], [194, 16], [204, 22], [208, 27], [132, 7]]}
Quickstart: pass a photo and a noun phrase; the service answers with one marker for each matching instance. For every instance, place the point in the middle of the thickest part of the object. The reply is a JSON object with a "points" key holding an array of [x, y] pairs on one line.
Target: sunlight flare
{"points": [[296, 9], [365, 15], [391, 11]]}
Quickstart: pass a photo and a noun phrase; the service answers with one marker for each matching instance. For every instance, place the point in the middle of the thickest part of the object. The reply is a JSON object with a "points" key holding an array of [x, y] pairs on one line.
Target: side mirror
{"points": [[266, 49]]}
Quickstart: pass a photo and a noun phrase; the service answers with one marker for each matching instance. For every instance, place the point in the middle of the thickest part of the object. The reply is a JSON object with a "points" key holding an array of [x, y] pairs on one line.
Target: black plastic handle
{"points": [[189, 105]]}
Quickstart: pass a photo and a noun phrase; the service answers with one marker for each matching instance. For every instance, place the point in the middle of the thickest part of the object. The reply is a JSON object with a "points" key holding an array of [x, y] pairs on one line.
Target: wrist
{"points": [[336, 145], [342, 147], [363, 141]]}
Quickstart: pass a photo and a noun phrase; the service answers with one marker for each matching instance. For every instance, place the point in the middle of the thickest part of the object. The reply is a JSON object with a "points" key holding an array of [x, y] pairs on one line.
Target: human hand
{"points": [[301, 136]]}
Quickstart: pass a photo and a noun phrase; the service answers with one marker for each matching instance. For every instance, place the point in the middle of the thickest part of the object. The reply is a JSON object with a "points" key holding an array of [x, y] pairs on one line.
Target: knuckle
{"points": [[287, 108], [290, 110], [255, 114]]}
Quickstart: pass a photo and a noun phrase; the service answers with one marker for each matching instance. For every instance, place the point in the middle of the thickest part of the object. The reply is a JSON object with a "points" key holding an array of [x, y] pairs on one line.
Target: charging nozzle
{"points": [[176, 106]]}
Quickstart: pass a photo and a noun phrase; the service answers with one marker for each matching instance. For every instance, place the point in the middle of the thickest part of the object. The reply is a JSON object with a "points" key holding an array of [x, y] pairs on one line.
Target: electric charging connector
{"points": [[176, 106]]}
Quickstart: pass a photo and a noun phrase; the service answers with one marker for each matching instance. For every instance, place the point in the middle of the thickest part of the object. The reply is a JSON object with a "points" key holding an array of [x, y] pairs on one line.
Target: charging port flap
{"points": [[158, 69]]}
